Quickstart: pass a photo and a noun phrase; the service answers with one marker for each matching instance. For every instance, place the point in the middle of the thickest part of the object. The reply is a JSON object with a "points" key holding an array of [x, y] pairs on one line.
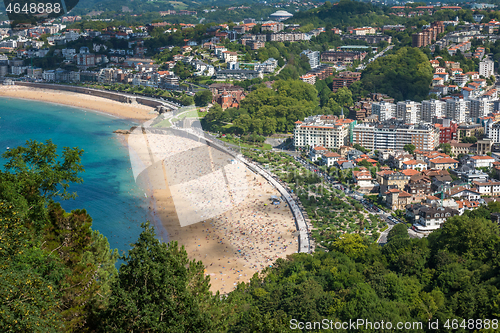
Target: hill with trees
{"points": [[403, 75], [266, 110], [346, 13]]}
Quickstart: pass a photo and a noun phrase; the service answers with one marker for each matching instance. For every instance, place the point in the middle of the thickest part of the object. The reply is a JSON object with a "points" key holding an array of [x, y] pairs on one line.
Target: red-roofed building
{"points": [[415, 165], [463, 192], [369, 160], [464, 205], [330, 158], [317, 152], [489, 187], [363, 179], [481, 161], [410, 172], [397, 199], [443, 163], [330, 132], [227, 95], [273, 26], [379, 175]]}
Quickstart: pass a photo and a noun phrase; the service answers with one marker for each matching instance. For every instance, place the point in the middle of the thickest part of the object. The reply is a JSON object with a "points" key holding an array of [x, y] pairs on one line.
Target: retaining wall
{"points": [[122, 98]]}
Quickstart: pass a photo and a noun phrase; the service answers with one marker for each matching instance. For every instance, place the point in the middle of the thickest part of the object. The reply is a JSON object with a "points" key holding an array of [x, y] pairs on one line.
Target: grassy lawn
{"points": [[163, 123], [264, 146], [192, 113]]}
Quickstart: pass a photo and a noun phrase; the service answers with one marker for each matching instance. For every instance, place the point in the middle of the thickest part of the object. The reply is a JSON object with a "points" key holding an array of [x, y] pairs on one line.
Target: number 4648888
{"points": [[33, 8]]}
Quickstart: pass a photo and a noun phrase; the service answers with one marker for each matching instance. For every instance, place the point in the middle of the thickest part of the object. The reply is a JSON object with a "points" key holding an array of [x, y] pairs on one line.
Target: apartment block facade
{"points": [[431, 109], [330, 132], [384, 110], [395, 135], [409, 112]]}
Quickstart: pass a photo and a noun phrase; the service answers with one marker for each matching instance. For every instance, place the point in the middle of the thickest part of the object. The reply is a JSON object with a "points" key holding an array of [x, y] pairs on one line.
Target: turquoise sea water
{"points": [[109, 193]]}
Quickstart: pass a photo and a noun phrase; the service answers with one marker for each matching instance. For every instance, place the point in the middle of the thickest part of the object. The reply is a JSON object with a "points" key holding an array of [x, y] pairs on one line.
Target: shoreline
{"points": [[235, 239], [221, 212], [133, 112]]}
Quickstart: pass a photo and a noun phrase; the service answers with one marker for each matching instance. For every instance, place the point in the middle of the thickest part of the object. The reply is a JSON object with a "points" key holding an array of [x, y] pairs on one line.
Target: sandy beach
{"points": [[217, 208], [136, 112], [239, 243]]}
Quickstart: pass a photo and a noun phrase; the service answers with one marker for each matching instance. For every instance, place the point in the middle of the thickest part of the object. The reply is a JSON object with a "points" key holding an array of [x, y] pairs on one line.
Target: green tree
{"points": [[467, 236], [352, 245], [342, 97], [410, 148], [446, 148], [398, 231], [41, 164], [469, 139], [159, 289], [29, 298], [406, 74], [202, 98], [365, 163], [55, 271]]}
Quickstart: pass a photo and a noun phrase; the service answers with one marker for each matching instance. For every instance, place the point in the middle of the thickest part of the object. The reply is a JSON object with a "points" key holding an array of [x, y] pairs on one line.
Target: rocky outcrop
{"points": [[122, 132]]}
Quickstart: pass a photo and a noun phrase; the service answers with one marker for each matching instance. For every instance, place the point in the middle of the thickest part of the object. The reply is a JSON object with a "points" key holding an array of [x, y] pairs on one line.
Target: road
{"points": [[378, 55], [383, 235]]}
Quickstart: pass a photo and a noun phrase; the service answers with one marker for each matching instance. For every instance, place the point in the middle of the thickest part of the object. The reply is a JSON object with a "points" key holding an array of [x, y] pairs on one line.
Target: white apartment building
{"points": [[409, 111], [458, 110], [49, 75], [480, 107], [461, 80], [326, 131], [492, 130], [395, 135], [488, 187], [313, 57], [433, 108], [267, 66], [384, 110], [482, 161], [229, 56], [487, 67], [8, 43]]}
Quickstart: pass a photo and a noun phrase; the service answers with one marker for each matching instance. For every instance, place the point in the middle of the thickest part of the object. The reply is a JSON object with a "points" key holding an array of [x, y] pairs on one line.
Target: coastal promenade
{"points": [[305, 245], [302, 228], [112, 95]]}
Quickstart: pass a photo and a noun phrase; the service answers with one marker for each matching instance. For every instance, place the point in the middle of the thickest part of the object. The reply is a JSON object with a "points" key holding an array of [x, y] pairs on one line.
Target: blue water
{"points": [[108, 193]]}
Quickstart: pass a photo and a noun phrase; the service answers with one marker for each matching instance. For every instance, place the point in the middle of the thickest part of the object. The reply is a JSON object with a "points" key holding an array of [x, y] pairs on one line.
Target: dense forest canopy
{"points": [[346, 13]]}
